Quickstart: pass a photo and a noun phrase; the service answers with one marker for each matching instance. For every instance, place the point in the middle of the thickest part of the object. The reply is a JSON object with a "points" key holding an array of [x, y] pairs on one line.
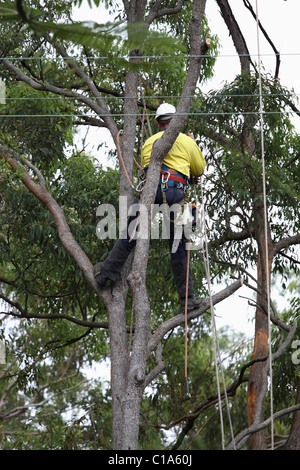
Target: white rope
{"points": [[266, 226], [217, 354]]}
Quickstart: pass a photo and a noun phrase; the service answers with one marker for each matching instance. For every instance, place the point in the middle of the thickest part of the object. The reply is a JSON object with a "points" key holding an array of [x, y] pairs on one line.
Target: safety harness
{"points": [[169, 178]]}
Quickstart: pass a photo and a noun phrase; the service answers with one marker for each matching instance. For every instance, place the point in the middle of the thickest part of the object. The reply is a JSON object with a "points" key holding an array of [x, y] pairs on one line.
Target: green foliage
{"points": [[117, 39], [167, 404], [58, 402], [41, 279], [31, 252], [222, 119], [35, 126]]}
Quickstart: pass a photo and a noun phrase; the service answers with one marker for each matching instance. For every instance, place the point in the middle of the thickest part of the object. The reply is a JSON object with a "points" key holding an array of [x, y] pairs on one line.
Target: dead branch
{"points": [[276, 52], [64, 232]]}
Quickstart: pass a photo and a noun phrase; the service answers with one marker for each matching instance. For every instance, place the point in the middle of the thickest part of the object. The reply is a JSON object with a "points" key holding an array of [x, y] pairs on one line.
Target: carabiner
{"points": [[163, 180], [139, 187]]}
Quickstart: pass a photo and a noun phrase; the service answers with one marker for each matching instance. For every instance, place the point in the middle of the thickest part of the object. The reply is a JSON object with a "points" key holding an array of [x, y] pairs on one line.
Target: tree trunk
{"points": [[120, 354], [256, 388], [293, 442], [261, 341], [119, 360], [128, 388]]}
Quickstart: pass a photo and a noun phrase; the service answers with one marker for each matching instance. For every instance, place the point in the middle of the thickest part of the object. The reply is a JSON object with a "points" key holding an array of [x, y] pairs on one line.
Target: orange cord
{"points": [[122, 161]]}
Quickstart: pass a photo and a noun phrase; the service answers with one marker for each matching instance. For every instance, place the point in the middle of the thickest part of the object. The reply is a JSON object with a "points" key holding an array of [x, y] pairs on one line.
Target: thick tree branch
{"points": [[57, 213], [155, 12], [160, 366], [294, 159], [257, 424], [14, 304], [236, 34], [90, 121], [294, 108], [37, 172], [242, 438], [51, 316], [104, 111], [230, 236], [285, 242], [42, 86], [177, 320], [211, 133], [277, 55], [212, 400], [290, 258]]}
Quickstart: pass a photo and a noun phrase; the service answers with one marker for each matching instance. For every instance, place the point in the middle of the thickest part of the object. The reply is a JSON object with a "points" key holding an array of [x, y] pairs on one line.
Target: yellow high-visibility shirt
{"points": [[184, 156]]}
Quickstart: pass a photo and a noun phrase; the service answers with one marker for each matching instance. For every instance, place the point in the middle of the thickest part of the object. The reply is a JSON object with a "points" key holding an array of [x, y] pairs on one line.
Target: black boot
{"points": [[111, 268], [192, 303], [101, 279], [179, 267]]}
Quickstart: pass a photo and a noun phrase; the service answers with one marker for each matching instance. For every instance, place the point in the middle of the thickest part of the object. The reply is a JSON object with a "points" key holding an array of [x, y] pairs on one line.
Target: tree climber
{"points": [[183, 163]]}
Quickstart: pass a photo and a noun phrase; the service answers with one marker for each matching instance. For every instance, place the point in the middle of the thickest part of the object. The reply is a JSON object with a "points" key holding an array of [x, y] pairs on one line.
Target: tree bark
{"points": [[116, 309], [261, 341], [236, 34], [137, 361]]}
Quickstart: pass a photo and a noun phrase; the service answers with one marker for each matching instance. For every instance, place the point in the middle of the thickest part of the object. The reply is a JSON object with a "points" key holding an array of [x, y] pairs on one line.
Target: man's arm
{"points": [[197, 163]]}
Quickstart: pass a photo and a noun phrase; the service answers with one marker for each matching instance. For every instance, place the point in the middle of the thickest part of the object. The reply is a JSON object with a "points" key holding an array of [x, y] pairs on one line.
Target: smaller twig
{"points": [[36, 171]]}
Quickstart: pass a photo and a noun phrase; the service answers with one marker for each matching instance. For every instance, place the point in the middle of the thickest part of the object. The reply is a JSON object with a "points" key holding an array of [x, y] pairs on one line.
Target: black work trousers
{"points": [[112, 266]]}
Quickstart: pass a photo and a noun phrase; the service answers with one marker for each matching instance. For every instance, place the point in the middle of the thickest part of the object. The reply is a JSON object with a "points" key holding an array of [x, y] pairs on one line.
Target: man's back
{"points": [[184, 156]]}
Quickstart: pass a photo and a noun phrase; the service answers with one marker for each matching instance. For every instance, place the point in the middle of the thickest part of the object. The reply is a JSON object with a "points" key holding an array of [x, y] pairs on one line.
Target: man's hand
{"points": [[191, 135]]}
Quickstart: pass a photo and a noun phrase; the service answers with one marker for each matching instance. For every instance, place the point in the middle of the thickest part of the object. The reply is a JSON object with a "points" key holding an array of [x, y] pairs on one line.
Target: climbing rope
{"points": [[121, 159], [265, 225], [217, 354]]}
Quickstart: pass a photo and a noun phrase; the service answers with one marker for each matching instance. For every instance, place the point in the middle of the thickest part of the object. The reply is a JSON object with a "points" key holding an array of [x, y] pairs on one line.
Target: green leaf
{"points": [[8, 11], [116, 39]]}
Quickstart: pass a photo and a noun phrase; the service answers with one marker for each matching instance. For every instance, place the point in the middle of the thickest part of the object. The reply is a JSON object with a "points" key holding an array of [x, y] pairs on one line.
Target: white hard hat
{"points": [[165, 109]]}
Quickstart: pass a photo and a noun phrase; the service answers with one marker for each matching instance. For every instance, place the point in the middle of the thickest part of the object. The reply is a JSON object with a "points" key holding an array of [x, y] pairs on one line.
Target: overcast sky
{"points": [[280, 19]]}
